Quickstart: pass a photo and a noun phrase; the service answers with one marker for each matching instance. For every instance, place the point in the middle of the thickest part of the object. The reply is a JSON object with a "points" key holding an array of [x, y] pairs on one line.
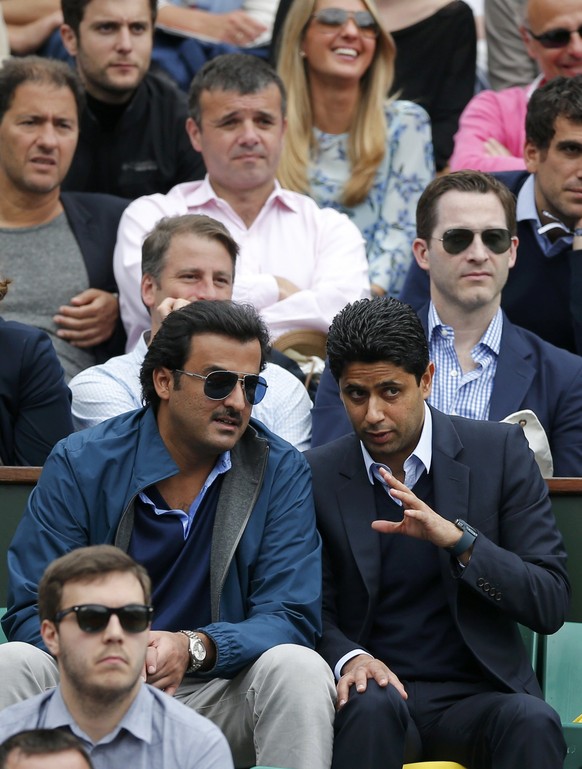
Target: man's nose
{"points": [[124, 40], [249, 133], [575, 44], [236, 399]]}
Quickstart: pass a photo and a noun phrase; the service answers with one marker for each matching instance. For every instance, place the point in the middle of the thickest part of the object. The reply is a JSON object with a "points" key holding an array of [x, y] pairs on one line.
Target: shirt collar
{"points": [[137, 720], [201, 193], [526, 211], [491, 338], [420, 458]]}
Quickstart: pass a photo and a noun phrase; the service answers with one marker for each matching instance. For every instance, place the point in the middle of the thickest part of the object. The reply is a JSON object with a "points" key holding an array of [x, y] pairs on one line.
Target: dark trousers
{"points": [[456, 721]]}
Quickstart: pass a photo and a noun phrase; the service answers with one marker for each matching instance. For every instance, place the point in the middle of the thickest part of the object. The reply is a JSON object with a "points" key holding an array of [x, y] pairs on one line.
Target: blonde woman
{"points": [[346, 145]]}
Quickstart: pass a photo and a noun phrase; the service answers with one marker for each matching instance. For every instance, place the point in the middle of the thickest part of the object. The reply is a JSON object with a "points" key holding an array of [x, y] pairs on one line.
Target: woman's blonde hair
{"points": [[367, 136]]}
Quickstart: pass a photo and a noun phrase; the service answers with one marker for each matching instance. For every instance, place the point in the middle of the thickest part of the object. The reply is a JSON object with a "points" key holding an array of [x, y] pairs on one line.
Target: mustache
{"points": [[228, 413]]}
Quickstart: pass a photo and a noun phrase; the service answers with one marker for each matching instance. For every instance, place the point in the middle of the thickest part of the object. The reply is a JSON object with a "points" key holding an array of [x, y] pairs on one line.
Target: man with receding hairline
{"points": [[298, 264]]}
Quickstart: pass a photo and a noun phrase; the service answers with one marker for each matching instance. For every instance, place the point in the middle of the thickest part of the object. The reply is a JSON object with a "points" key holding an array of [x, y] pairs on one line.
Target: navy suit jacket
{"points": [[542, 295], [35, 402], [94, 219], [531, 374], [483, 473]]}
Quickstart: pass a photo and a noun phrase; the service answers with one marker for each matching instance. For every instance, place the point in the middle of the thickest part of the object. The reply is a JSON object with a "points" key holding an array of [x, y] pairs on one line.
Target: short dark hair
{"points": [[238, 72], [171, 346], [561, 97], [379, 329], [38, 742], [156, 244], [84, 565], [74, 12], [461, 181], [34, 69]]}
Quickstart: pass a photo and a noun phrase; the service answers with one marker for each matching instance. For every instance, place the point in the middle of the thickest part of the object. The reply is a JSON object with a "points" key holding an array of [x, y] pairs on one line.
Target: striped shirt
{"points": [[454, 392]]}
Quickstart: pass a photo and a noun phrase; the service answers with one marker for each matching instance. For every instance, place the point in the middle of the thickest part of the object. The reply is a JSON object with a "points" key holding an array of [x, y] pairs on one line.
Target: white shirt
{"points": [[112, 388], [318, 249]]}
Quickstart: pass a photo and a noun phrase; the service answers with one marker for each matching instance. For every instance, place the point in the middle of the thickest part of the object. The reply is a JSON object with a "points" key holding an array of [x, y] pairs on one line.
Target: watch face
{"points": [[198, 650]]}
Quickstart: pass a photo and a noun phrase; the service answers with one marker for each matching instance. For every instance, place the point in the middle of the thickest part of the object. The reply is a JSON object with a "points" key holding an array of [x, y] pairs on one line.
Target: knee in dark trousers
{"points": [[374, 730], [525, 731]]}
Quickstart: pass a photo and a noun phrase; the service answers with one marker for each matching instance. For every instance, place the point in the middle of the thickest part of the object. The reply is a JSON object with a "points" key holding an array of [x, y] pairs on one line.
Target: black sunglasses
{"points": [[458, 239], [555, 38], [92, 617], [337, 17], [218, 385]]}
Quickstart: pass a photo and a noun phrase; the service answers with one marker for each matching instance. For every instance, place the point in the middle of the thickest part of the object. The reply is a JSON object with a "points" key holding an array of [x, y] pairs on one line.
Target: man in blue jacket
{"points": [[220, 512]]}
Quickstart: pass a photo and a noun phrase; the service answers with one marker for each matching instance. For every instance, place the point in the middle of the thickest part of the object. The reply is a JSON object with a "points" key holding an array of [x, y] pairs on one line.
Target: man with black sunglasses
{"points": [[491, 135], [219, 511], [486, 367], [544, 290], [95, 612]]}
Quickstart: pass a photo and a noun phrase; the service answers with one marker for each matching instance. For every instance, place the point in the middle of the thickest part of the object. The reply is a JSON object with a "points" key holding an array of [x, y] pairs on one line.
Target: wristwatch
{"points": [[469, 536], [196, 651]]}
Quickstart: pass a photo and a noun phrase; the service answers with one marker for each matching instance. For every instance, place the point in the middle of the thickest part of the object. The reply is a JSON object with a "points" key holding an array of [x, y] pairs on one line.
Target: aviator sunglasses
{"points": [[458, 239], [555, 38], [92, 617], [335, 18], [218, 385]]}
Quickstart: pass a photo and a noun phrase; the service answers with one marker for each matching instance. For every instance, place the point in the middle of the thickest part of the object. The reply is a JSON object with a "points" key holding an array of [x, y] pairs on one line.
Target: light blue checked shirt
{"points": [[454, 392]]}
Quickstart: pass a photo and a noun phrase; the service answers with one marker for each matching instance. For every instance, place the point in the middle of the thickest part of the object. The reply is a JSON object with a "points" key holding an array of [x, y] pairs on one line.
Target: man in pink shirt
{"points": [[491, 135], [299, 264]]}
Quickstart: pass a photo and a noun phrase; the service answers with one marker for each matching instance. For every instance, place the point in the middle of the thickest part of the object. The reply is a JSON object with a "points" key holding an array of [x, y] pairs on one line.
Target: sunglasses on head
{"points": [[92, 617], [458, 239], [218, 385], [555, 38], [337, 17]]}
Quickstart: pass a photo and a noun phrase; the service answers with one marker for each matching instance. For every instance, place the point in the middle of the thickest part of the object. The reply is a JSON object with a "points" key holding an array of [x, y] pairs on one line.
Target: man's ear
{"points": [[162, 378], [420, 251], [69, 39], [50, 636], [194, 132], [531, 156], [148, 290]]}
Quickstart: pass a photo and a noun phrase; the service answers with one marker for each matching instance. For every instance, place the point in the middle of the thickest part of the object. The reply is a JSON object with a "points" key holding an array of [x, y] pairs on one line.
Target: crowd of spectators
{"points": [[181, 187]]}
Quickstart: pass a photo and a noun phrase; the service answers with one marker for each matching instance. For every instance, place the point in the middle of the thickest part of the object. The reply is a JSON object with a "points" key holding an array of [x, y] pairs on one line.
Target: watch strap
{"points": [[468, 536]]}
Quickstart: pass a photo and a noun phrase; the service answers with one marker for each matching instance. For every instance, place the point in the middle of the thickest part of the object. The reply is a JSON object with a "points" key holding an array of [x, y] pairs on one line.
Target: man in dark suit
{"points": [[544, 290], [486, 368], [438, 539]]}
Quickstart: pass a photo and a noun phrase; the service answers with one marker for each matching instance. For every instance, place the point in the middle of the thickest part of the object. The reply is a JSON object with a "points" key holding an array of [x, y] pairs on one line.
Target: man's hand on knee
{"points": [[358, 670]]}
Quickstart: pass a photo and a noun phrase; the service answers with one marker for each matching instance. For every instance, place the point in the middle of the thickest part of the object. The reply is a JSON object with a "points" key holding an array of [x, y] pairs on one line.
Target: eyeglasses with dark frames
{"points": [[218, 385], [555, 38], [457, 239], [335, 18], [93, 617]]}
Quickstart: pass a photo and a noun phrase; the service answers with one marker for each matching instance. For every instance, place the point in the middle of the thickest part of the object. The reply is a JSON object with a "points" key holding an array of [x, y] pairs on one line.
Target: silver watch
{"points": [[196, 651]]}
